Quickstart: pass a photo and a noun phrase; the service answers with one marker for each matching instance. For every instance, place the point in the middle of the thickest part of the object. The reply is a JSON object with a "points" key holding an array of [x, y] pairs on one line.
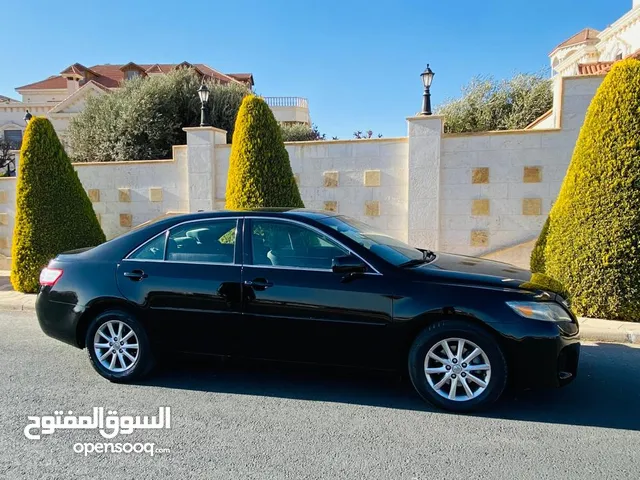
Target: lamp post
{"points": [[427, 78], [203, 93], [27, 117]]}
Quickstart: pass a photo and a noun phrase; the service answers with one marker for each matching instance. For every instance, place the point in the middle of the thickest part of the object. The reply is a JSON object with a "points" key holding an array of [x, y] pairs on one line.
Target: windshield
{"points": [[388, 248]]}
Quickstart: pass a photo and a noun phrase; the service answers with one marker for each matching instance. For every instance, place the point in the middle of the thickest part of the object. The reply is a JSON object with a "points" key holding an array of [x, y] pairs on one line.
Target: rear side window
{"points": [[152, 250], [203, 242]]}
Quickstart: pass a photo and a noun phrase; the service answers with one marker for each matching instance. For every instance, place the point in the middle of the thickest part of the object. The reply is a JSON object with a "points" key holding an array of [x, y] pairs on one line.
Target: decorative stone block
{"points": [[532, 175], [4, 242], [480, 175], [4, 219], [94, 194], [126, 219], [480, 207], [479, 238], [3, 196], [372, 208], [124, 195], [532, 206], [155, 194], [331, 206], [330, 179], [372, 178]]}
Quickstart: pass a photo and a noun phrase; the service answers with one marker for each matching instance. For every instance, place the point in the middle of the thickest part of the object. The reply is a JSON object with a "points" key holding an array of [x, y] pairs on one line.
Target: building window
{"points": [[13, 138], [130, 74]]}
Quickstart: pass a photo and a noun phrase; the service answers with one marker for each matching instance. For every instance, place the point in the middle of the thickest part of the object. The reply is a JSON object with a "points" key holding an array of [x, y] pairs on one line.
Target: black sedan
{"points": [[305, 286]]}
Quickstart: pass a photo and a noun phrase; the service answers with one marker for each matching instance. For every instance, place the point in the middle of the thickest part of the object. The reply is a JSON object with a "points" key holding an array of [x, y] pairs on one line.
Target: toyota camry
{"points": [[313, 287]]}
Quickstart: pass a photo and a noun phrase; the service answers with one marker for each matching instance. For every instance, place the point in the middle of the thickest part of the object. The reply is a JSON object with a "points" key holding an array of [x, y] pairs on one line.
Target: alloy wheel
{"points": [[116, 346], [457, 369]]}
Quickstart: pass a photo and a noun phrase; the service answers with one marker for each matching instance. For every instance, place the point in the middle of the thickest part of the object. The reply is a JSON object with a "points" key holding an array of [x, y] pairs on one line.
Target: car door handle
{"points": [[135, 275], [258, 283]]}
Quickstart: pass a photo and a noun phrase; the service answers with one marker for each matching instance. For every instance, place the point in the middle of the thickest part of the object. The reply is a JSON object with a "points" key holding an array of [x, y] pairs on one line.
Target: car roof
{"points": [[279, 212]]}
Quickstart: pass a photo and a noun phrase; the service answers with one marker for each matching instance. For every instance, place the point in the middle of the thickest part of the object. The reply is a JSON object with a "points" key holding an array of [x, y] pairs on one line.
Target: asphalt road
{"points": [[250, 421]]}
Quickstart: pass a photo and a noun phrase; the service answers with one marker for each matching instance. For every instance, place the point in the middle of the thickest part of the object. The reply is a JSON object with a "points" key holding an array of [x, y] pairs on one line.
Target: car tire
{"points": [[435, 387], [119, 367]]}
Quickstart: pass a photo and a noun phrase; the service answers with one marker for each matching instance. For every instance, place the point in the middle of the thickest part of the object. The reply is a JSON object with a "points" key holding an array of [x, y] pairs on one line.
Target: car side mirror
{"points": [[348, 264]]}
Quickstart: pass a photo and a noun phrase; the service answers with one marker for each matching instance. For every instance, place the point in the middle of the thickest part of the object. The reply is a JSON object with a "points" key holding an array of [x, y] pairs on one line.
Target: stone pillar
{"points": [[425, 135], [201, 165]]}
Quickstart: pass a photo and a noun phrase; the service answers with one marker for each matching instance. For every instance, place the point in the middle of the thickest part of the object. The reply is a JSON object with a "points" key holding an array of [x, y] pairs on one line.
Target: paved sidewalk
{"points": [[591, 329]]}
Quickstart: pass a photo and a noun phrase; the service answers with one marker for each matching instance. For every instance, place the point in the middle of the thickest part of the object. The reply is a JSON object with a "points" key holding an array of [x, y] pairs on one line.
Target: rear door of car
{"points": [[296, 308], [187, 284]]}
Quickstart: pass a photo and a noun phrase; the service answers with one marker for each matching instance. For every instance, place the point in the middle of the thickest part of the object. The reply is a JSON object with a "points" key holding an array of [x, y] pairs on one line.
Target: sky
{"points": [[358, 63]]}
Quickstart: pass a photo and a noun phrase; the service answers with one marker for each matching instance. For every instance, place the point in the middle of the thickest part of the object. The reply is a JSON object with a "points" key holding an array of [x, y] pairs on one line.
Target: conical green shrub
{"points": [[260, 173], [53, 212], [592, 245]]}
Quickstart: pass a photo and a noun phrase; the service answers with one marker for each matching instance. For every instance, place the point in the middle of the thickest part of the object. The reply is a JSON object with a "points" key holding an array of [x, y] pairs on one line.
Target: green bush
{"points": [[537, 254], [53, 212], [594, 228], [299, 132], [144, 119], [260, 174], [487, 104]]}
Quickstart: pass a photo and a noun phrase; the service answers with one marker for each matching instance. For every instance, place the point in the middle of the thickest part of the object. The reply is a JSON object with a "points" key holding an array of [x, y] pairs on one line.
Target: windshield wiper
{"points": [[427, 256]]}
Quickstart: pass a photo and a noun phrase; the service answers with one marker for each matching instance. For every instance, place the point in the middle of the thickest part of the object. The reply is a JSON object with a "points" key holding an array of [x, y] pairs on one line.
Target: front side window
{"points": [[388, 248], [287, 245], [203, 242]]}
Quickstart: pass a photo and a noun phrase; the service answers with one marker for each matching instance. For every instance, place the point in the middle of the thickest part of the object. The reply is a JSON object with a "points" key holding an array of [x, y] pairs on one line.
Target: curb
{"points": [[15, 307], [609, 336]]}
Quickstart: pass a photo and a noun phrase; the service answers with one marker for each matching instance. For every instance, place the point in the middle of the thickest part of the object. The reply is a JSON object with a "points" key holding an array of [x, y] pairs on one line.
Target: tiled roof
{"points": [[243, 77], [110, 76], [580, 37], [600, 68], [594, 68]]}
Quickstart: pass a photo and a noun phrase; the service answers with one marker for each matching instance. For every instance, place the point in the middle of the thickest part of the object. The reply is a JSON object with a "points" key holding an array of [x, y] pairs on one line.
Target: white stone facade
{"points": [[463, 193]]}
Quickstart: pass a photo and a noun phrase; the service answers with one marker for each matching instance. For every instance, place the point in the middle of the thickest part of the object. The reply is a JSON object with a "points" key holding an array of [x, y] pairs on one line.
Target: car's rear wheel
{"points": [[458, 366], [118, 347]]}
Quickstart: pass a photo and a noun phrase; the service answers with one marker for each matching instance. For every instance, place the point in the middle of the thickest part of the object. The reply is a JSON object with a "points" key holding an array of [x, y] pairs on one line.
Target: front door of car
{"points": [[187, 284], [296, 308]]}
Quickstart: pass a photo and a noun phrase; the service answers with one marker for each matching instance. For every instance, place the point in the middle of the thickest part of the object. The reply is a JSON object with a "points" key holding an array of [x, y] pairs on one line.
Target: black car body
{"points": [[342, 301]]}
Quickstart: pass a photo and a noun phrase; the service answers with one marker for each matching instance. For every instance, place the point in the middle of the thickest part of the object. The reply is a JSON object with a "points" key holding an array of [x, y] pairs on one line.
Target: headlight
{"points": [[547, 311]]}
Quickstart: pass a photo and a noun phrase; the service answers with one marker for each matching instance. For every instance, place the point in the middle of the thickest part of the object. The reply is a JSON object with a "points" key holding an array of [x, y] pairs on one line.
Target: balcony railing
{"points": [[287, 102]]}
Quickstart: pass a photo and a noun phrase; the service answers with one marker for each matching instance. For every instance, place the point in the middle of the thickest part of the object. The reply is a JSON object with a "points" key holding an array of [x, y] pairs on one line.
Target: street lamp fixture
{"points": [[27, 117], [203, 93], [427, 78]]}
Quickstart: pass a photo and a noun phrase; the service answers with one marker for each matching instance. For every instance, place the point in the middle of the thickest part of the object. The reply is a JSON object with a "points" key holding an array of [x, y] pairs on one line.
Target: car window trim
{"points": [[310, 227], [166, 233]]}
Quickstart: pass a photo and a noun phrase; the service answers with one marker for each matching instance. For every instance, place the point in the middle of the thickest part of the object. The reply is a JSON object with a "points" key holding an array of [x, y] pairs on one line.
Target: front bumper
{"points": [[57, 319], [545, 362]]}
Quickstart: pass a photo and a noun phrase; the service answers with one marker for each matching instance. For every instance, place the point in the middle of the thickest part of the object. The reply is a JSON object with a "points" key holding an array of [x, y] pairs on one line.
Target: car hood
{"points": [[473, 270]]}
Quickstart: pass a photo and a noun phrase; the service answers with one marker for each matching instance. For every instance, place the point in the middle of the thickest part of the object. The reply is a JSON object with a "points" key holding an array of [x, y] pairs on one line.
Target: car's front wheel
{"points": [[458, 366], [118, 346]]}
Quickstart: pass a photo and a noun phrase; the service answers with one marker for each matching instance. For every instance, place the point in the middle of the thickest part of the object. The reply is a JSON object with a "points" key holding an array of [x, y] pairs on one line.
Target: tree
{"points": [[299, 132], [260, 174], [53, 212], [487, 104], [7, 159], [537, 262], [144, 119], [368, 134], [593, 240]]}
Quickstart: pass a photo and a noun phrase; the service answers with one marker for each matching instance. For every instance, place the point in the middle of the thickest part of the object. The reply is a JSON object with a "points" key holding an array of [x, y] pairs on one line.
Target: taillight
{"points": [[49, 276]]}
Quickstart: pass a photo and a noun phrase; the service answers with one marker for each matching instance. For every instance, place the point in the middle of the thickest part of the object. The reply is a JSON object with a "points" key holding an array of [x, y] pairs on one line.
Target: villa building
{"points": [[61, 97]]}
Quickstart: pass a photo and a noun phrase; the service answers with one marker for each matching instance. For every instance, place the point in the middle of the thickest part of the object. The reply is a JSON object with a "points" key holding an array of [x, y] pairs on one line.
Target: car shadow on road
{"points": [[606, 392]]}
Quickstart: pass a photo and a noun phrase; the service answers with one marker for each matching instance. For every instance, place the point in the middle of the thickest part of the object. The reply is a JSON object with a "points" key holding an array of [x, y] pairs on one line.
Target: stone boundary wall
{"points": [[464, 193]]}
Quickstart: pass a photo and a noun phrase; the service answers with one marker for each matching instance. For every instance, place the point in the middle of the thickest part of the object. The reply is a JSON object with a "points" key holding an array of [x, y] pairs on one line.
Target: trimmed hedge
{"points": [[537, 262], [260, 174], [53, 212], [594, 231]]}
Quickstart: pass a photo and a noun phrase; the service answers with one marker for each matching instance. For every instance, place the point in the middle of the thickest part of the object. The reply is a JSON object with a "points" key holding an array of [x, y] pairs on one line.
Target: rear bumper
{"points": [[57, 319]]}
